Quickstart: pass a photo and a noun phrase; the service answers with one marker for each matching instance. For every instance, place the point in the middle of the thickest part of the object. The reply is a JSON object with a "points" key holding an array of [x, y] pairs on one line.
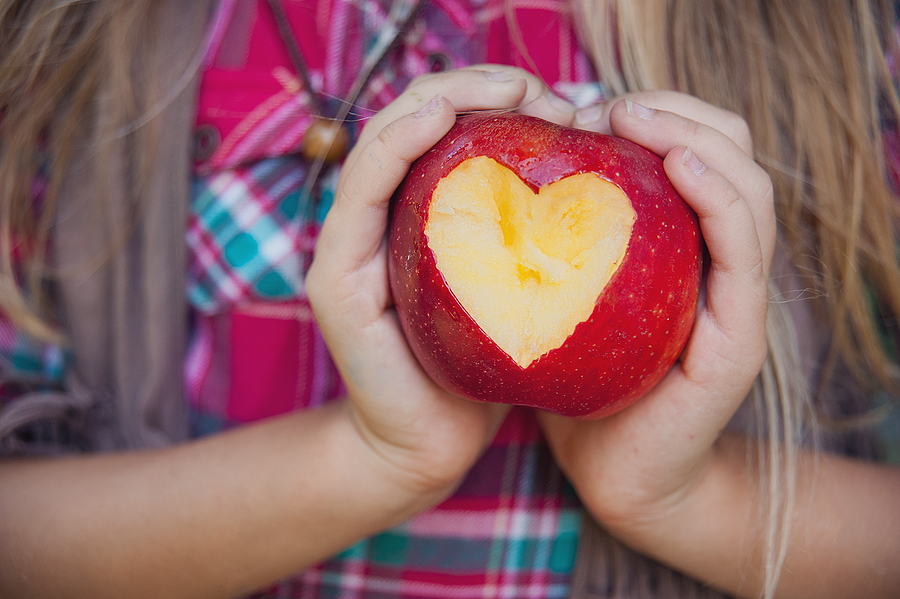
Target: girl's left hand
{"points": [[644, 472]]}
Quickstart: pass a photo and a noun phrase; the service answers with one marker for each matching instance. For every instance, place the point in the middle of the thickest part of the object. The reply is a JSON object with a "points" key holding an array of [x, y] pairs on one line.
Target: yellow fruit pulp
{"points": [[528, 268]]}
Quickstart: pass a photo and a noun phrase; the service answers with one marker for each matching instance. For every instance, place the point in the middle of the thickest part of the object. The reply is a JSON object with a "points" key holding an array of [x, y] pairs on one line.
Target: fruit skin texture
{"points": [[641, 320]]}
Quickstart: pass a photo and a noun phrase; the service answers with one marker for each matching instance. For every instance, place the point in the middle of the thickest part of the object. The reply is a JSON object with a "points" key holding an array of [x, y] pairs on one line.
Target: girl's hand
{"points": [[427, 437], [644, 472], [229, 514]]}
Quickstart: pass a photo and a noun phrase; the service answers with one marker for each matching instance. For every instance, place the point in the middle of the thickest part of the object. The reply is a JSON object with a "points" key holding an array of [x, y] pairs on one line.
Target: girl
{"points": [[378, 482]]}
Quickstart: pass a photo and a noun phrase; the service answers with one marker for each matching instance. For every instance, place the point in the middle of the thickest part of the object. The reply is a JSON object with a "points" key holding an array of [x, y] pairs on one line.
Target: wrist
{"points": [[712, 484], [411, 477], [422, 441], [710, 528]]}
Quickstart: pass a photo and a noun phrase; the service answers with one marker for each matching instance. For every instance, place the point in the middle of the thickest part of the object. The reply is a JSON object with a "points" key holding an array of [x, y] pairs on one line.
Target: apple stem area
{"points": [[527, 267]]}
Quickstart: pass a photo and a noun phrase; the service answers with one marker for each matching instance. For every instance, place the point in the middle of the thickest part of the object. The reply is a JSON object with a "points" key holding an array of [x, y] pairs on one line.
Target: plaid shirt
{"points": [[26, 363], [511, 529]]}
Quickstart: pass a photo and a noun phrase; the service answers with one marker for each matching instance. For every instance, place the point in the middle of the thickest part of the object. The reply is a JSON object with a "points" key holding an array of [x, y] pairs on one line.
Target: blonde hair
{"points": [[812, 80], [61, 61], [810, 77]]}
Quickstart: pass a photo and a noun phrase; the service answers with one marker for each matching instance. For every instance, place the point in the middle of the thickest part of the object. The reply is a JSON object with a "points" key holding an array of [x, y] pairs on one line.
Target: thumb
{"points": [[353, 231]]}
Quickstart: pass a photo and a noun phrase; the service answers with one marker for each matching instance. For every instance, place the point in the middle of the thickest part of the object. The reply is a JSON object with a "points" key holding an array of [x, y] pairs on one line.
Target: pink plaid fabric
{"points": [[511, 530], [251, 235]]}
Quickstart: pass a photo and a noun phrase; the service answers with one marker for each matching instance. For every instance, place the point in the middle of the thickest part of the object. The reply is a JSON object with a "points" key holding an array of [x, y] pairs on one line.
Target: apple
{"points": [[539, 265]]}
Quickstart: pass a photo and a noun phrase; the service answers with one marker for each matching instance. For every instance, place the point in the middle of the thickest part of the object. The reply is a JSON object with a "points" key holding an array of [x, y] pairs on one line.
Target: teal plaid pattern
{"points": [[251, 233], [510, 530], [24, 358]]}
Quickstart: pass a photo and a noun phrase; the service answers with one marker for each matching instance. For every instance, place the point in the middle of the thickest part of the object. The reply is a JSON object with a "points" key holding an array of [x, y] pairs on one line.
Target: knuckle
{"points": [[349, 189], [425, 79], [732, 356], [370, 131], [732, 198], [695, 130], [390, 154], [737, 128], [386, 138]]}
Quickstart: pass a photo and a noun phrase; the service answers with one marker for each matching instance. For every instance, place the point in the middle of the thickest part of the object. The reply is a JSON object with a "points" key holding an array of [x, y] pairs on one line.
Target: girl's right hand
{"points": [[235, 512], [427, 437]]}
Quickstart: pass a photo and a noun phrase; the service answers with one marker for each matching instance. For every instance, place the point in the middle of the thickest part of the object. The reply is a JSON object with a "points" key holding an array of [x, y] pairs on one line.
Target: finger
{"points": [[661, 131], [727, 347], [691, 107], [539, 100], [478, 87], [467, 90], [736, 282], [355, 225], [596, 117], [698, 397]]}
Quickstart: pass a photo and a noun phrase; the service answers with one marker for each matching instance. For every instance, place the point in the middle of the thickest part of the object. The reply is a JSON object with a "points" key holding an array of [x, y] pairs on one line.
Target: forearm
{"points": [[206, 519], [844, 528]]}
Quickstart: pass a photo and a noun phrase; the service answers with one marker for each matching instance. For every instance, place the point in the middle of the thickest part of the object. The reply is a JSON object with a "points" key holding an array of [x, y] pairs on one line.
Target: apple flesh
{"points": [[539, 265]]}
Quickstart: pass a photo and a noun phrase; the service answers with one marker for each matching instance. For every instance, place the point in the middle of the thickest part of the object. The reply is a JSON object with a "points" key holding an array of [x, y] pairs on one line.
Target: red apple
{"points": [[539, 265]]}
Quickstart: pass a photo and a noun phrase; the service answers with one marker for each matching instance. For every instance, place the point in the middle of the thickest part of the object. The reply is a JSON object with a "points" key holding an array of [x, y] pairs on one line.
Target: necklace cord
{"points": [[403, 14], [293, 49]]}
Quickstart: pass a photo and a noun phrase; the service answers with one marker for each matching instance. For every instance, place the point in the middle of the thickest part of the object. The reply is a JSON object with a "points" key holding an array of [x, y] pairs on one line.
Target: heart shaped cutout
{"points": [[528, 267]]}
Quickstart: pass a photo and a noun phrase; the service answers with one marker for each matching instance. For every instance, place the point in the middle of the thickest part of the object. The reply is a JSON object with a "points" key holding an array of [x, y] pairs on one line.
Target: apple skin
{"points": [[640, 322]]}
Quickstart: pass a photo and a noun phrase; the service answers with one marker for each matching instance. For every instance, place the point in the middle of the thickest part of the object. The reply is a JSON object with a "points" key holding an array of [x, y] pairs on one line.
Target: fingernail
{"points": [[639, 110], [500, 76], [692, 162], [433, 107], [589, 114]]}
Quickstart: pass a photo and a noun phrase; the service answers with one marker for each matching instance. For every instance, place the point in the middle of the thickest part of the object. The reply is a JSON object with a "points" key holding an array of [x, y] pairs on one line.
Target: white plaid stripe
{"points": [[247, 229]]}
